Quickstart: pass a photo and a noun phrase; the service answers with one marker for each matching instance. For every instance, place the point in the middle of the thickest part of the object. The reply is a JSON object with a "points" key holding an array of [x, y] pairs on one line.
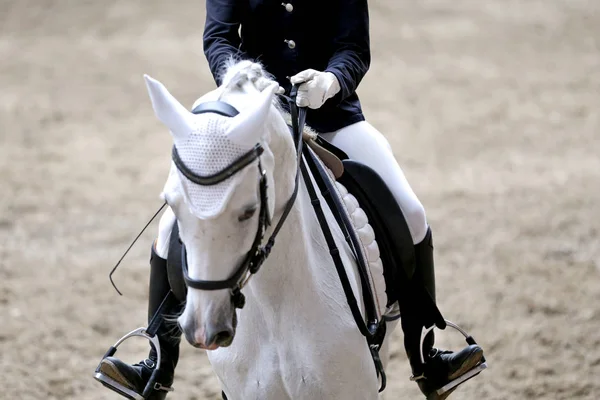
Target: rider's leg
{"points": [[365, 144], [135, 377], [441, 367]]}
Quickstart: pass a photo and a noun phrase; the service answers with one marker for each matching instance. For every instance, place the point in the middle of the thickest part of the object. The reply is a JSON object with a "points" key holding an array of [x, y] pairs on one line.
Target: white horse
{"points": [[296, 337]]}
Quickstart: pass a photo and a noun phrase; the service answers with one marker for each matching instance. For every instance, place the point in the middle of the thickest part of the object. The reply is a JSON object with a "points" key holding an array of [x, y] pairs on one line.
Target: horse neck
{"points": [[299, 269]]}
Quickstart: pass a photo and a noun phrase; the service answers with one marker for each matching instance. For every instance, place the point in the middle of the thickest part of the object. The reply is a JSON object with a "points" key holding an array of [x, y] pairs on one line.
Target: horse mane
{"points": [[234, 74], [237, 72]]}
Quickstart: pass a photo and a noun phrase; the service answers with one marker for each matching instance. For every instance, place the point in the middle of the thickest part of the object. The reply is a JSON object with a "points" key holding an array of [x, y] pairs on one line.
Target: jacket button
{"points": [[288, 7], [291, 44]]}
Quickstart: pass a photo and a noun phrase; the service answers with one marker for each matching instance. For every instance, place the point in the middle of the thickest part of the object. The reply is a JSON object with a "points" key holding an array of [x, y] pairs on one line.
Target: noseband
{"points": [[257, 253]]}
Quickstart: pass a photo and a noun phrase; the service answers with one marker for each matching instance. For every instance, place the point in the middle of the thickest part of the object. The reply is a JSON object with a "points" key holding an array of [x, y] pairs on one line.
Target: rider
{"points": [[324, 46]]}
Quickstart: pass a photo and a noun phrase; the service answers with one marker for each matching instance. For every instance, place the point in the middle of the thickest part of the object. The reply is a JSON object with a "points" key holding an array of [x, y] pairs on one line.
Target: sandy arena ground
{"points": [[492, 107]]}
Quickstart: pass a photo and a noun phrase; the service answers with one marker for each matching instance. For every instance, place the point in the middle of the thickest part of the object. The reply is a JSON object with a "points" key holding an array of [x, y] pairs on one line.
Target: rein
{"points": [[373, 330]]}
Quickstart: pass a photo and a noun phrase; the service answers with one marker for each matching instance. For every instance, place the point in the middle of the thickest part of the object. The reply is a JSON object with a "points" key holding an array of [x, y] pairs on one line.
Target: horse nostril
{"points": [[223, 338]]}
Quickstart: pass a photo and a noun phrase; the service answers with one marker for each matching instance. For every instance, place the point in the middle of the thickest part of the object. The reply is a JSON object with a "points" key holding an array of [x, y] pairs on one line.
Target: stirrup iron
{"points": [[464, 377], [118, 387]]}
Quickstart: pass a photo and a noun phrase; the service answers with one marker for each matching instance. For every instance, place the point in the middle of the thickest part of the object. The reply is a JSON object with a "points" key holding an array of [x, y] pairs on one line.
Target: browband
{"points": [[208, 180], [217, 107]]}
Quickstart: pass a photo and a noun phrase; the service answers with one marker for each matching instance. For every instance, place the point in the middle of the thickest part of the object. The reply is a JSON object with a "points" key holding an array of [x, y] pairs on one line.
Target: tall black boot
{"points": [[418, 309], [135, 377]]}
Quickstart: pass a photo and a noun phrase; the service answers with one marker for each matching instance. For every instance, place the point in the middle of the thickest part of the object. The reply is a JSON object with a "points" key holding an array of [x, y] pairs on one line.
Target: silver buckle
{"points": [[417, 378], [158, 386]]}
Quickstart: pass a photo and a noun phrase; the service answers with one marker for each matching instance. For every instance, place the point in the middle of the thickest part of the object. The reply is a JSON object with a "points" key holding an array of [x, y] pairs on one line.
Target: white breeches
{"points": [[365, 144], [165, 226]]}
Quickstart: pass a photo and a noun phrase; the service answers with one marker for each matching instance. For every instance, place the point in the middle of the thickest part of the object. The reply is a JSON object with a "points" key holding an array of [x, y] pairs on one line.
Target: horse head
{"points": [[217, 198]]}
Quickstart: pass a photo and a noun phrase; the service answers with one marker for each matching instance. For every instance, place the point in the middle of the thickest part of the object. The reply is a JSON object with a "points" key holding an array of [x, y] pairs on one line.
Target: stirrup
{"points": [[118, 387], [464, 377]]}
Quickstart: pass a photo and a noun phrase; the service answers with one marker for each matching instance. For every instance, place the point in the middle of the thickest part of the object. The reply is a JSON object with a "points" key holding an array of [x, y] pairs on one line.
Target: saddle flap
{"points": [[328, 158], [385, 216]]}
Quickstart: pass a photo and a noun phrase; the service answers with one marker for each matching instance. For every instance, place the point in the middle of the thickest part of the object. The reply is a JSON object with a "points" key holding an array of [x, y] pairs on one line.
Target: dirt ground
{"points": [[492, 107]]}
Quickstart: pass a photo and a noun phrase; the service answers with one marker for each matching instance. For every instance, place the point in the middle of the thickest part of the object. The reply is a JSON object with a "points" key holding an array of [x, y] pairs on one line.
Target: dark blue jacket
{"points": [[325, 35]]}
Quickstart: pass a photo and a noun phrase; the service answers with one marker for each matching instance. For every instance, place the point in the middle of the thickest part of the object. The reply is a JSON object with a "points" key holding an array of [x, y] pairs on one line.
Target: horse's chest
{"points": [[307, 364]]}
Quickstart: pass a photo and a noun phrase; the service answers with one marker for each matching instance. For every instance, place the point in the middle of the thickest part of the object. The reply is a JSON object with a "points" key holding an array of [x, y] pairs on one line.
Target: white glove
{"points": [[315, 88]]}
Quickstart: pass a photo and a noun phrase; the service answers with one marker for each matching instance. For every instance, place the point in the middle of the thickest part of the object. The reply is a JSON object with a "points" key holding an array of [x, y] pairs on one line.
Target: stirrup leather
{"points": [[118, 387], [461, 379]]}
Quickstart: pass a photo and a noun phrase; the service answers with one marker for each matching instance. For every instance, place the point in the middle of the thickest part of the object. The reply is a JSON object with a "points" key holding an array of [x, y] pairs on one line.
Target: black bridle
{"points": [[257, 253]]}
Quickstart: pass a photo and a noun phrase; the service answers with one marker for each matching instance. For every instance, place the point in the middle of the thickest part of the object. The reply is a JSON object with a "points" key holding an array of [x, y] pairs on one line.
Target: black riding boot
{"points": [[440, 367], [134, 377]]}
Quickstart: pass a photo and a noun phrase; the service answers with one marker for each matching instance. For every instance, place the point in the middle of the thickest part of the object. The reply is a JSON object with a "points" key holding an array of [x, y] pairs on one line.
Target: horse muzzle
{"points": [[211, 335]]}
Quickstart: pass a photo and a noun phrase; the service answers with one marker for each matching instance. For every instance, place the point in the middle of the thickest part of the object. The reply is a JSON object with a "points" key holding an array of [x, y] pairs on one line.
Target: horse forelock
{"points": [[239, 78], [245, 77], [238, 72]]}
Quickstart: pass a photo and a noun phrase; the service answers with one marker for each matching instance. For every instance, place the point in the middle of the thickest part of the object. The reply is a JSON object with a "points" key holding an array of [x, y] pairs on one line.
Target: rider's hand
{"points": [[315, 88]]}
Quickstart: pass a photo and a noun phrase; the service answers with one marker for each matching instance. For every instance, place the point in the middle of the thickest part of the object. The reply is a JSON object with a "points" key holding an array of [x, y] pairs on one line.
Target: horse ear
{"points": [[168, 110], [245, 128]]}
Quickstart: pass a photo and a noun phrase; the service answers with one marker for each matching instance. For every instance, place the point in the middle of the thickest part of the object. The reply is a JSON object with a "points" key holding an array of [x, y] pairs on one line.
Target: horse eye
{"points": [[247, 214]]}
